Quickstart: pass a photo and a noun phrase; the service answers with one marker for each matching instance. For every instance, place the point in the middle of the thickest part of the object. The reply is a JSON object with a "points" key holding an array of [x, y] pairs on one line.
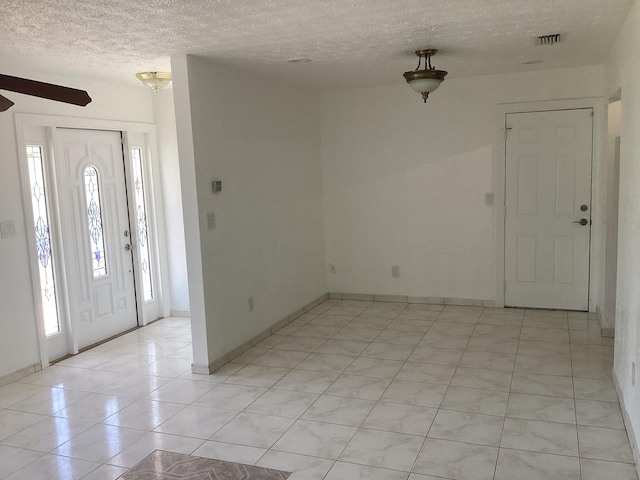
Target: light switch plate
{"points": [[8, 229], [488, 198]]}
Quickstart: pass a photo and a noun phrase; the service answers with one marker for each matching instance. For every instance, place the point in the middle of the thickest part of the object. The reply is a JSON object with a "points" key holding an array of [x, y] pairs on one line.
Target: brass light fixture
{"points": [[427, 80], [155, 80]]}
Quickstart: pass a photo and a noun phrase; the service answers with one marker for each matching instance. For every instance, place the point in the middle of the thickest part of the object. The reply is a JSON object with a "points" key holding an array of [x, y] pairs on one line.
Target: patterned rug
{"points": [[161, 465]]}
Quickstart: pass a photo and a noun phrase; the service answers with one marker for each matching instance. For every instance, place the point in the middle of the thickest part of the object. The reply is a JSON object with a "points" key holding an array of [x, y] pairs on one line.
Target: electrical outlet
{"points": [[332, 268], [211, 220], [8, 229], [250, 301], [395, 271], [488, 198]]}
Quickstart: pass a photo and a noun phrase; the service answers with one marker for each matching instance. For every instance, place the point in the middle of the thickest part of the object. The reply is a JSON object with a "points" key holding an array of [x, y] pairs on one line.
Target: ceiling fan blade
{"points": [[5, 103], [44, 90]]}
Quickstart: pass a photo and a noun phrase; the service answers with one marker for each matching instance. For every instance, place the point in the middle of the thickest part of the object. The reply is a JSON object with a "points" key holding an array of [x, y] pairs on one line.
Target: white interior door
{"points": [[96, 233], [548, 192]]}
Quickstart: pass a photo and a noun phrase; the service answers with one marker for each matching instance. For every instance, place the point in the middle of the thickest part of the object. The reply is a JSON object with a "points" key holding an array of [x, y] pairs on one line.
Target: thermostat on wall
{"points": [[216, 185]]}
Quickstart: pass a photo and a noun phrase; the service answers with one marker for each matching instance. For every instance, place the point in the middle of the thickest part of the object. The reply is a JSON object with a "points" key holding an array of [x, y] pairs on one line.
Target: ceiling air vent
{"points": [[549, 39]]}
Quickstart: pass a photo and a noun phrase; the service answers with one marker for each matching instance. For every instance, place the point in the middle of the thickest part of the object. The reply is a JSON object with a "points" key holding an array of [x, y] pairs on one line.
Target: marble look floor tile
{"points": [[482, 378], [474, 400], [374, 367], [11, 422], [52, 376], [282, 403], [544, 349], [424, 315], [253, 430], [546, 322], [601, 390], [324, 440], [455, 329], [306, 381], [150, 442], [542, 437], [47, 434], [438, 340], [339, 410], [536, 384], [95, 407], [354, 386], [551, 335], [319, 362], [350, 471], [426, 372], [197, 422], [106, 472], [357, 334], [229, 452], [598, 470], [49, 401], [537, 407], [93, 381], [497, 331], [302, 466], [51, 466], [591, 366], [316, 331], [414, 393], [397, 337], [543, 365], [230, 397], [382, 449], [458, 461], [300, 344], [410, 325], [489, 360], [15, 392], [332, 320], [604, 444], [467, 427], [372, 323], [599, 414], [502, 320], [387, 351], [99, 443], [532, 312], [514, 464], [137, 386], [144, 414], [256, 376], [503, 311], [280, 358], [392, 417], [180, 391], [492, 344], [441, 356], [12, 459], [342, 347]]}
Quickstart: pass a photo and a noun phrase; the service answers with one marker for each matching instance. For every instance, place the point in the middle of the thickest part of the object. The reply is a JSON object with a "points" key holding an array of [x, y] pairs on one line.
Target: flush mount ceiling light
{"points": [[427, 80], [156, 81]]}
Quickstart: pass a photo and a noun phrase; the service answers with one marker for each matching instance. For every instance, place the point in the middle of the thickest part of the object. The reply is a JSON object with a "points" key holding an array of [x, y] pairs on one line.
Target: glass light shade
{"points": [[154, 80], [422, 85]]}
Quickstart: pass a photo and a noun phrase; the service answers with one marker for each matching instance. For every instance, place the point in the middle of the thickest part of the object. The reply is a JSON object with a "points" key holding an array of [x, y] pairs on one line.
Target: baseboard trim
{"points": [[18, 374], [240, 349], [372, 297], [633, 439], [179, 313]]}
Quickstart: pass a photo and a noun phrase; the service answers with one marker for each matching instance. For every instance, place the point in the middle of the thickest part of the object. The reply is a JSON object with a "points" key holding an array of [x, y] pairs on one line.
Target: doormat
{"points": [[161, 465]]}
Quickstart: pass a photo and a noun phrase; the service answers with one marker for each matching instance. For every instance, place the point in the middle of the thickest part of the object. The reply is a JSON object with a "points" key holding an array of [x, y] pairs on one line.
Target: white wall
{"points": [[164, 116], [18, 338], [404, 182], [625, 74], [262, 140]]}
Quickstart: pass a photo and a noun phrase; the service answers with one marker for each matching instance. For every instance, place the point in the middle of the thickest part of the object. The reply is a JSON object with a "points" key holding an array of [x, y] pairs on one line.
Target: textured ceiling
{"points": [[351, 42]]}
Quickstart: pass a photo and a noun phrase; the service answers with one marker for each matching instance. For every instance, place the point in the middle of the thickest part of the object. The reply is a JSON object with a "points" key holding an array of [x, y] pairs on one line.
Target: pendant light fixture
{"points": [[427, 80], [154, 80]]}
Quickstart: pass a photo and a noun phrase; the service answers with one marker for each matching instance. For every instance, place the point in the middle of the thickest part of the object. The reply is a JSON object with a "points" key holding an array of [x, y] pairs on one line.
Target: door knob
{"points": [[582, 221]]}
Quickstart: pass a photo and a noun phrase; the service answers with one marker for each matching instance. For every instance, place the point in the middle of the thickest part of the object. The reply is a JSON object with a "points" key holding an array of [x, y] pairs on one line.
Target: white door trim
{"points": [[50, 123], [599, 105]]}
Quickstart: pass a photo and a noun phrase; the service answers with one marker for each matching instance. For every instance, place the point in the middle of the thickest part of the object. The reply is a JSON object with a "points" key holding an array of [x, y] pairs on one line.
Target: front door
{"points": [[548, 209], [96, 233]]}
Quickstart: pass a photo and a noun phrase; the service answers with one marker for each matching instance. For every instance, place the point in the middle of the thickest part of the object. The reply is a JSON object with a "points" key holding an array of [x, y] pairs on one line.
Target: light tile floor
{"points": [[350, 390]]}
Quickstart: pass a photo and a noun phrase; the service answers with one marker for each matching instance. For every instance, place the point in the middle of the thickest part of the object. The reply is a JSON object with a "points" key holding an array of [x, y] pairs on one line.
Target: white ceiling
{"points": [[351, 42]]}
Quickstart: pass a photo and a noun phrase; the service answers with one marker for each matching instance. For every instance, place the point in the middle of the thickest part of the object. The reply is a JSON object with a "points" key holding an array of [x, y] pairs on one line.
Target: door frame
{"points": [[598, 204], [155, 216]]}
